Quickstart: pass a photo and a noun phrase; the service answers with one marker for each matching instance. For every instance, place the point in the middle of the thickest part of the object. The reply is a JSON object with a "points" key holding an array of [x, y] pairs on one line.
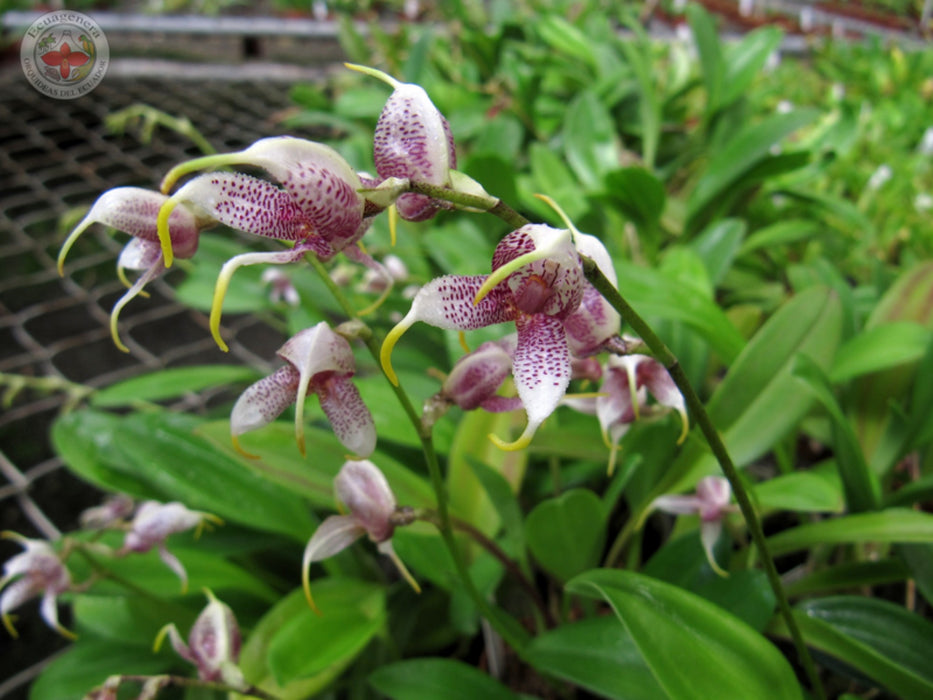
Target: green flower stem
{"points": [[490, 205], [670, 362], [513, 634]]}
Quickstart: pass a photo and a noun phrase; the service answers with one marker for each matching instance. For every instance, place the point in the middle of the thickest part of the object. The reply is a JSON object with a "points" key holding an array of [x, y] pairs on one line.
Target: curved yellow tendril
{"points": [[385, 352], [561, 213], [375, 73], [520, 444], [165, 239], [393, 224], [504, 271], [160, 636], [236, 446]]}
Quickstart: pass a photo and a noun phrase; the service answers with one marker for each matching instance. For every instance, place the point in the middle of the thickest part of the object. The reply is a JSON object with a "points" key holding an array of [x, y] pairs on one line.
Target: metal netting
{"points": [[56, 158]]}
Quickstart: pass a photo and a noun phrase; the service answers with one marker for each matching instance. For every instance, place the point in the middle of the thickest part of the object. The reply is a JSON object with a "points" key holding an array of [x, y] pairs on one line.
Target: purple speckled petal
{"points": [[591, 324], [501, 404], [318, 349], [416, 207], [365, 491], [476, 377], [173, 563], [541, 366], [411, 139], [264, 401], [139, 254], [447, 302], [335, 534], [615, 407], [351, 420], [248, 204]]}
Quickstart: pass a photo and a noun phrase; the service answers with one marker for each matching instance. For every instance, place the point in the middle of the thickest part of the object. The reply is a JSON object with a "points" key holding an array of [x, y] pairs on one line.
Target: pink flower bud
{"points": [[36, 571]]}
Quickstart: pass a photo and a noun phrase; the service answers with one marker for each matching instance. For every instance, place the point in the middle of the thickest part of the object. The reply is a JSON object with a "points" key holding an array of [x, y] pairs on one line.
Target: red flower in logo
{"points": [[65, 58]]}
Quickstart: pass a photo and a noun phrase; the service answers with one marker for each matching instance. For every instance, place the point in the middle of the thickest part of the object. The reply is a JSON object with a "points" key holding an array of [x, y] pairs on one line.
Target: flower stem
{"points": [[513, 634], [670, 362], [490, 205]]}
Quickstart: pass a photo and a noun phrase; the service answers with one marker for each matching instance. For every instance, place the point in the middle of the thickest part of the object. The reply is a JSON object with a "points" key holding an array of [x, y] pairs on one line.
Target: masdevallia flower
{"points": [[412, 142], [363, 489], [321, 361], [316, 205], [37, 570], [711, 503], [213, 644], [152, 525], [134, 210], [536, 282]]}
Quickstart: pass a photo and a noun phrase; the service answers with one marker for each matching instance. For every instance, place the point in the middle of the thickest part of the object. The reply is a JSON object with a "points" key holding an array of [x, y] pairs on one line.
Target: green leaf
{"points": [[415, 679], [891, 525], [590, 143], [679, 302], [739, 156], [779, 234], [874, 638], [746, 58], [88, 663], [759, 401], [849, 576], [816, 491], [879, 348], [638, 194], [717, 246], [597, 654], [551, 176], [506, 505], [708, 46], [159, 455], [352, 613], [566, 534], [862, 490], [694, 648], [168, 383], [123, 619]]}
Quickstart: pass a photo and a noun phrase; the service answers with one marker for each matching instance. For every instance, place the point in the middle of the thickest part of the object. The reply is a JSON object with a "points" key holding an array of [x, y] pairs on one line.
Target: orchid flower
{"points": [[317, 205], [213, 644], [623, 397], [154, 522], [363, 489], [37, 570], [537, 282], [474, 381], [412, 142], [134, 210], [711, 503], [321, 361]]}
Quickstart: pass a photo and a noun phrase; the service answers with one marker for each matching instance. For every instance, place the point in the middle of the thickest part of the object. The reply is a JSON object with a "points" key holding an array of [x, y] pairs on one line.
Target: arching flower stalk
{"points": [[536, 282], [135, 211], [363, 489], [320, 361]]}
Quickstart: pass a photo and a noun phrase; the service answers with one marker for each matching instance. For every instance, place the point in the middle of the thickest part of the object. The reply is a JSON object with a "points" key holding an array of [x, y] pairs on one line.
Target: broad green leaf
{"points": [[89, 662], [874, 638], [640, 285], [779, 234], [918, 558], [640, 60], [506, 506], [849, 576], [168, 383], [740, 155], [891, 525], [694, 648], [166, 460], [307, 644], [879, 348], [746, 58], [590, 142], [862, 490], [280, 462], [597, 654], [551, 176], [124, 619], [815, 491], [760, 401], [636, 193], [415, 679], [561, 36], [717, 246], [566, 534], [709, 47]]}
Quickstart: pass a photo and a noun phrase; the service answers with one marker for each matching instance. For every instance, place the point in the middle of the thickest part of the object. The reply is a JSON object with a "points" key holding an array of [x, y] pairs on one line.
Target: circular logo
{"points": [[64, 54]]}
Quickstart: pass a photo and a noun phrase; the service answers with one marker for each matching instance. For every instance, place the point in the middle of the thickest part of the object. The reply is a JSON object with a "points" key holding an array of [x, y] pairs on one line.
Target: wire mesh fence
{"points": [[56, 157]]}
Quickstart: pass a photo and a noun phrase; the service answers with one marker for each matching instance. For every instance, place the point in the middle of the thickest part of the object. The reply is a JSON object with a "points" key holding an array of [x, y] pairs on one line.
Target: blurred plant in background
{"points": [[768, 217]]}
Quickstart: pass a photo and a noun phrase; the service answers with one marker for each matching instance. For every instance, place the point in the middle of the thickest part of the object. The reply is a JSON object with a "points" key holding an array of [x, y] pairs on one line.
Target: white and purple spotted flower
{"points": [[320, 361], [711, 503], [316, 205], [152, 525], [624, 397], [536, 282], [134, 210], [213, 644], [412, 142], [363, 489], [35, 571]]}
